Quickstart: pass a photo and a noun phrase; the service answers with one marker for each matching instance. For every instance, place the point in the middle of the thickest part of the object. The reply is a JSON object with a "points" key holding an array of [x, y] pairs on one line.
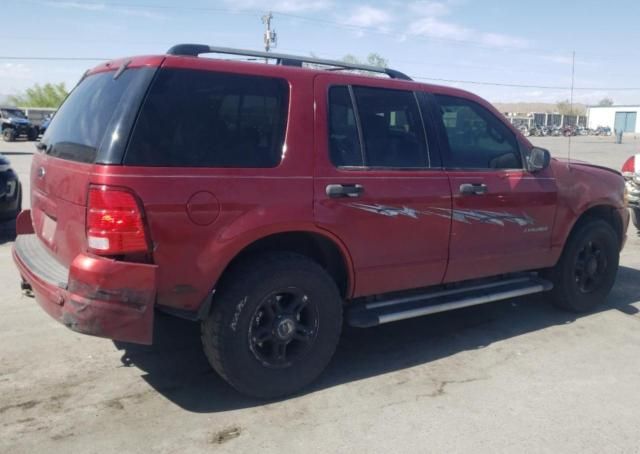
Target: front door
{"points": [[502, 215], [376, 186]]}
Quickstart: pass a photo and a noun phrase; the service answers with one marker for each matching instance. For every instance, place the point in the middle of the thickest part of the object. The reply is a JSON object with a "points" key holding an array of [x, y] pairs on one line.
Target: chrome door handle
{"points": [[473, 189], [336, 191]]}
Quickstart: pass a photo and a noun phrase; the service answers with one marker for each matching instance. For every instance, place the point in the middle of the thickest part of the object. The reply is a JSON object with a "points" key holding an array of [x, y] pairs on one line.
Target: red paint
{"points": [[199, 219], [203, 208], [104, 297]]}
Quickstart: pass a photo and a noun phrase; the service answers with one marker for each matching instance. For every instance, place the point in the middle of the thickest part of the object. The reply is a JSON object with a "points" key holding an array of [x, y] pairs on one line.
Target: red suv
{"points": [[268, 200]]}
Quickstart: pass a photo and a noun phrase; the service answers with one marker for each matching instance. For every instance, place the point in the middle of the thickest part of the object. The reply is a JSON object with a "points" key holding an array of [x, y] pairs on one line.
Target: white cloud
{"points": [[429, 8], [78, 5], [432, 22], [106, 8], [283, 6], [560, 59], [368, 16], [500, 40], [15, 77], [436, 28]]}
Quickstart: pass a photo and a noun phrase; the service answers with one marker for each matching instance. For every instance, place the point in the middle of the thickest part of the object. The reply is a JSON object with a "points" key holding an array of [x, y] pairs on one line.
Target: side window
{"points": [[477, 138], [392, 128], [344, 142], [204, 119]]}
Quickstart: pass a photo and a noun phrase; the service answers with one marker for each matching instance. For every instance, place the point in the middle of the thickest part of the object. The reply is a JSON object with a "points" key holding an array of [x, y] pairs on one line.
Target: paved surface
{"points": [[515, 376]]}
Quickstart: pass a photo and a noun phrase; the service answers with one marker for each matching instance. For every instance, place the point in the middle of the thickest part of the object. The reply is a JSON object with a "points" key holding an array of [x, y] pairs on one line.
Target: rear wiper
{"points": [[41, 146]]}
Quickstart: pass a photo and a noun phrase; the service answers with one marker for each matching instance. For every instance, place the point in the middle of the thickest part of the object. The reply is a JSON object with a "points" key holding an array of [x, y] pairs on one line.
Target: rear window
{"points": [[197, 118], [95, 119]]}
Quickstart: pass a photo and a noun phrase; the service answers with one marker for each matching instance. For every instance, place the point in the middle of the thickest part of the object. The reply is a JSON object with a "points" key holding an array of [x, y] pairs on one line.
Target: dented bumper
{"points": [[95, 295]]}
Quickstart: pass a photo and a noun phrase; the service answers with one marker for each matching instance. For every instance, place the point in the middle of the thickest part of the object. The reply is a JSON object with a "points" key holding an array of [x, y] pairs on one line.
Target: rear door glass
{"points": [[392, 128], [197, 118]]}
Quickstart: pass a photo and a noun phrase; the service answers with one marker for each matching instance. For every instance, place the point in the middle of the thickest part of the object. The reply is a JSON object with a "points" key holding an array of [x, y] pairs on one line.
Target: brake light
{"points": [[629, 167], [114, 222]]}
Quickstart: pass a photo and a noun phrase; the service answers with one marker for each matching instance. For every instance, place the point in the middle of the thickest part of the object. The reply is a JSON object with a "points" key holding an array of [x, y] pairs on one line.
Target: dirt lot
{"points": [[511, 376]]}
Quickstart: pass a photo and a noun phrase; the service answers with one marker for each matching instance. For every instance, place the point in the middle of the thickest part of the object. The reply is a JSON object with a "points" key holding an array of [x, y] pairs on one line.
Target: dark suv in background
{"points": [[14, 124], [267, 201]]}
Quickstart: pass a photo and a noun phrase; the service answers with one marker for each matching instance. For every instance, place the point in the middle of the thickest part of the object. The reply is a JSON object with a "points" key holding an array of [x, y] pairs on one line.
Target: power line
{"points": [[344, 25], [423, 78], [540, 87], [5, 57]]}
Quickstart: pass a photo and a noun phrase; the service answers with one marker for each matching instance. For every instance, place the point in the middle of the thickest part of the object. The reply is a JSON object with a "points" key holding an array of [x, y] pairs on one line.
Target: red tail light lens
{"points": [[114, 222], [629, 167]]}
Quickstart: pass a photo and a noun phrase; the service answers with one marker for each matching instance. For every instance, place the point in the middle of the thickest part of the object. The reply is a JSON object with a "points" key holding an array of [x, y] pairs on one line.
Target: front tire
{"points": [[274, 325], [9, 135], [586, 271]]}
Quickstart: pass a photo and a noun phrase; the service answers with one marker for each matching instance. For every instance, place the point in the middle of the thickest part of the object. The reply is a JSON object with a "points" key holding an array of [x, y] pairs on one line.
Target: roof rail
{"points": [[194, 50]]}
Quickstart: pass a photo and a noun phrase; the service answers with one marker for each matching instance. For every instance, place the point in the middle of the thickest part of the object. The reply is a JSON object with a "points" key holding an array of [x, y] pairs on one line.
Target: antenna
{"points": [[573, 82]]}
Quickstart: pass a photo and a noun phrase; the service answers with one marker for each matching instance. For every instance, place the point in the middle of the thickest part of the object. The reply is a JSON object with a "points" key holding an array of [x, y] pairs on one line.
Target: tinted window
{"points": [[203, 119], [95, 110], [344, 143], [477, 138], [392, 128]]}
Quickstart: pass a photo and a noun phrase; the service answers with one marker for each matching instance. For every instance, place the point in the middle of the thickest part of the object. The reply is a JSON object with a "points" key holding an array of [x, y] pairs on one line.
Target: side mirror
{"points": [[538, 159]]}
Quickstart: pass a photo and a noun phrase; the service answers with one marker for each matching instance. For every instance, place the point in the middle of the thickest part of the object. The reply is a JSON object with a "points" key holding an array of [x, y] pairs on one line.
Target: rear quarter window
{"points": [[195, 118], [93, 123]]}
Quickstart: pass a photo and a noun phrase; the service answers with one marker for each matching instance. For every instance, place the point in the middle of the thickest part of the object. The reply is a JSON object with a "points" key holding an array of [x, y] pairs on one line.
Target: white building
{"points": [[616, 117]]}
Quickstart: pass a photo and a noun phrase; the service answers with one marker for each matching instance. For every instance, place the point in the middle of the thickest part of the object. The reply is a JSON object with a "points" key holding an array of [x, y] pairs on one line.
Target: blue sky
{"points": [[521, 43]]}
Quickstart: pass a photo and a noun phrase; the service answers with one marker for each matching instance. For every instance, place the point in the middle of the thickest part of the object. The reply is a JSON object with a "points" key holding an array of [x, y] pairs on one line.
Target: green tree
{"points": [[565, 108], [373, 59], [606, 102], [47, 95]]}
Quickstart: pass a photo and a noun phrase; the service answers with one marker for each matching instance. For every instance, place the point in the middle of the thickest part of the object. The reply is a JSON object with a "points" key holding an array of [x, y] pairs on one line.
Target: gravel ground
{"points": [[514, 376]]}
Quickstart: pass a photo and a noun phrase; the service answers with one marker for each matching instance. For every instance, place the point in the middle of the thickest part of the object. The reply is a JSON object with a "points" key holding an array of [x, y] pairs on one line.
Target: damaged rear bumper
{"points": [[95, 295]]}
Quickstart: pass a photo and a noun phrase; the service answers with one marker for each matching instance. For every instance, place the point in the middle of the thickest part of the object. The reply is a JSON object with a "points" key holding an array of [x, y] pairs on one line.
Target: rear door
{"points": [[90, 127], [502, 214], [378, 186]]}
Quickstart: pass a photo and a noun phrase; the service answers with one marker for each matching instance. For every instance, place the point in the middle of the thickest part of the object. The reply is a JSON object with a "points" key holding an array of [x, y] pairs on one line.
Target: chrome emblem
{"points": [[41, 172]]}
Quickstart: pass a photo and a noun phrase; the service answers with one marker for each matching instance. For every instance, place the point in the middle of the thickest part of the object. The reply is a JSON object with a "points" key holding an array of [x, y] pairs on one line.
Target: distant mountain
{"points": [[530, 107]]}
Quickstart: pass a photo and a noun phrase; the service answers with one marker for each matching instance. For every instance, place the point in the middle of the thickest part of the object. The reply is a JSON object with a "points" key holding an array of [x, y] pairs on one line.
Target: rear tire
{"points": [[274, 325], [586, 271]]}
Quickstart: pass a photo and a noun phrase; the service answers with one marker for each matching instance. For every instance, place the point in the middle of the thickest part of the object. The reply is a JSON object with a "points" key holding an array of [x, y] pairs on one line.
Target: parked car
{"points": [[10, 191], [267, 202], [631, 173], [14, 124], [44, 125]]}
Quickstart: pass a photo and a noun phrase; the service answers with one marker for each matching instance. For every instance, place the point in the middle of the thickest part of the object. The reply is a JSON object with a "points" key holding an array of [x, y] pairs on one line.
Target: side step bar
{"points": [[366, 315]]}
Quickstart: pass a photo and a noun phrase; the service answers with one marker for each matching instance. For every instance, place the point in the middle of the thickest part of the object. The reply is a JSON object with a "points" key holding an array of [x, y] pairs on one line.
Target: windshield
{"points": [[97, 114], [15, 113]]}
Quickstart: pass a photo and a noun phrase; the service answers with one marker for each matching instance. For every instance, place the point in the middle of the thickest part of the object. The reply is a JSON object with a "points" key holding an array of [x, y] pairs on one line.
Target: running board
{"points": [[368, 314]]}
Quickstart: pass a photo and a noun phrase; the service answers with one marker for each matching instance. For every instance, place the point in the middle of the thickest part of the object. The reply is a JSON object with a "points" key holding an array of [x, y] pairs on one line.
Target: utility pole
{"points": [[270, 37]]}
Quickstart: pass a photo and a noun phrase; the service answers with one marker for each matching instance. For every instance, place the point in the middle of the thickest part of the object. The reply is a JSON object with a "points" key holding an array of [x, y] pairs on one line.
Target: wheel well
{"points": [[314, 246], [606, 213]]}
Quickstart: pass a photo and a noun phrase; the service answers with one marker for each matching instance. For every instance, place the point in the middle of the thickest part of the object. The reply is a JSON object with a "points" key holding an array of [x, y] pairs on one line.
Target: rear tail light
{"points": [[629, 167], [114, 222]]}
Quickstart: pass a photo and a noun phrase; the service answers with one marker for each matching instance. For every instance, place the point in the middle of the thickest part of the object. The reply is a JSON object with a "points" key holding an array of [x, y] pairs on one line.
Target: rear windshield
{"points": [[96, 117], [197, 118]]}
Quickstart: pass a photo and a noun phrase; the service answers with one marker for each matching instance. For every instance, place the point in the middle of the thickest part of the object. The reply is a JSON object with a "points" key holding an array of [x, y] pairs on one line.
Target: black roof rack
{"points": [[194, 50]]}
